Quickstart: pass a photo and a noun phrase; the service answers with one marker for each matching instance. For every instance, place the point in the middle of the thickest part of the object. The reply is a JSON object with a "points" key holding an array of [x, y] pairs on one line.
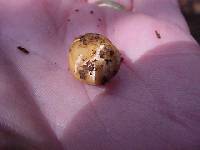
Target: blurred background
{"points": [[191, 11]]}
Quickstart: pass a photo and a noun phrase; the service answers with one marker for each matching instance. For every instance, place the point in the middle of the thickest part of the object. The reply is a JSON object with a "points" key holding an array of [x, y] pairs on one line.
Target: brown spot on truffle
{"points": [[108, 61], [96, 37], [83, 40], [94, 60], [68, 20], [102, 54], [93, 52], [89, 66], [104, 80], [82, 74], [22, 49], [109, 51], [157, 34], [99, 20], [99, 67]]}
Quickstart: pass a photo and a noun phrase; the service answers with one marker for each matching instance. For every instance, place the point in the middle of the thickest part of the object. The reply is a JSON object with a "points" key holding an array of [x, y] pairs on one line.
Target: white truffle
{"points": [[93, 59]]}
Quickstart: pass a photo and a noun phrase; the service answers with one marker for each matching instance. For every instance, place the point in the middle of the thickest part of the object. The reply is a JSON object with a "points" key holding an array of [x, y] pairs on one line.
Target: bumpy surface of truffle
{"points": [[93, 59]]}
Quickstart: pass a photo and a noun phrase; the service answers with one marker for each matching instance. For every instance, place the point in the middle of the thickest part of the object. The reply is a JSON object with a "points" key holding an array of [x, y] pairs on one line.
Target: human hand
{"points": [[152, 103]]}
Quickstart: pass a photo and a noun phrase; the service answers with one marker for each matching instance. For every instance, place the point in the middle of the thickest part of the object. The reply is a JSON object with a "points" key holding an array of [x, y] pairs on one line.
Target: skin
{"points": [[152, 103]]}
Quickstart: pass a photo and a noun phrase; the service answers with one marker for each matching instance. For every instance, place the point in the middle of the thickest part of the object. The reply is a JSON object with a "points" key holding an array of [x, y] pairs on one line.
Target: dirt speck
{"points": [[157, 34], [76, 10], [22, 49], [91, 12], [82, 74]]}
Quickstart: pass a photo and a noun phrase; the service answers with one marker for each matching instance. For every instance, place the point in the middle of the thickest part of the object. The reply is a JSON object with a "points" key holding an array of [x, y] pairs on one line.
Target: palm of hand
{"points": [[44, 106]]}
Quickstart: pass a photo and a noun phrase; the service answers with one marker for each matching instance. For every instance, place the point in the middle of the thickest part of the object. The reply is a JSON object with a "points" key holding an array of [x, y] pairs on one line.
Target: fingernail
{"points": [[110, 3]]}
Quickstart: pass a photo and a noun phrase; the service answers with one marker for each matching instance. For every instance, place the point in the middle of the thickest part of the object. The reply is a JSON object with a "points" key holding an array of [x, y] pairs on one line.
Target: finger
{"points": [[167, 10]]}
